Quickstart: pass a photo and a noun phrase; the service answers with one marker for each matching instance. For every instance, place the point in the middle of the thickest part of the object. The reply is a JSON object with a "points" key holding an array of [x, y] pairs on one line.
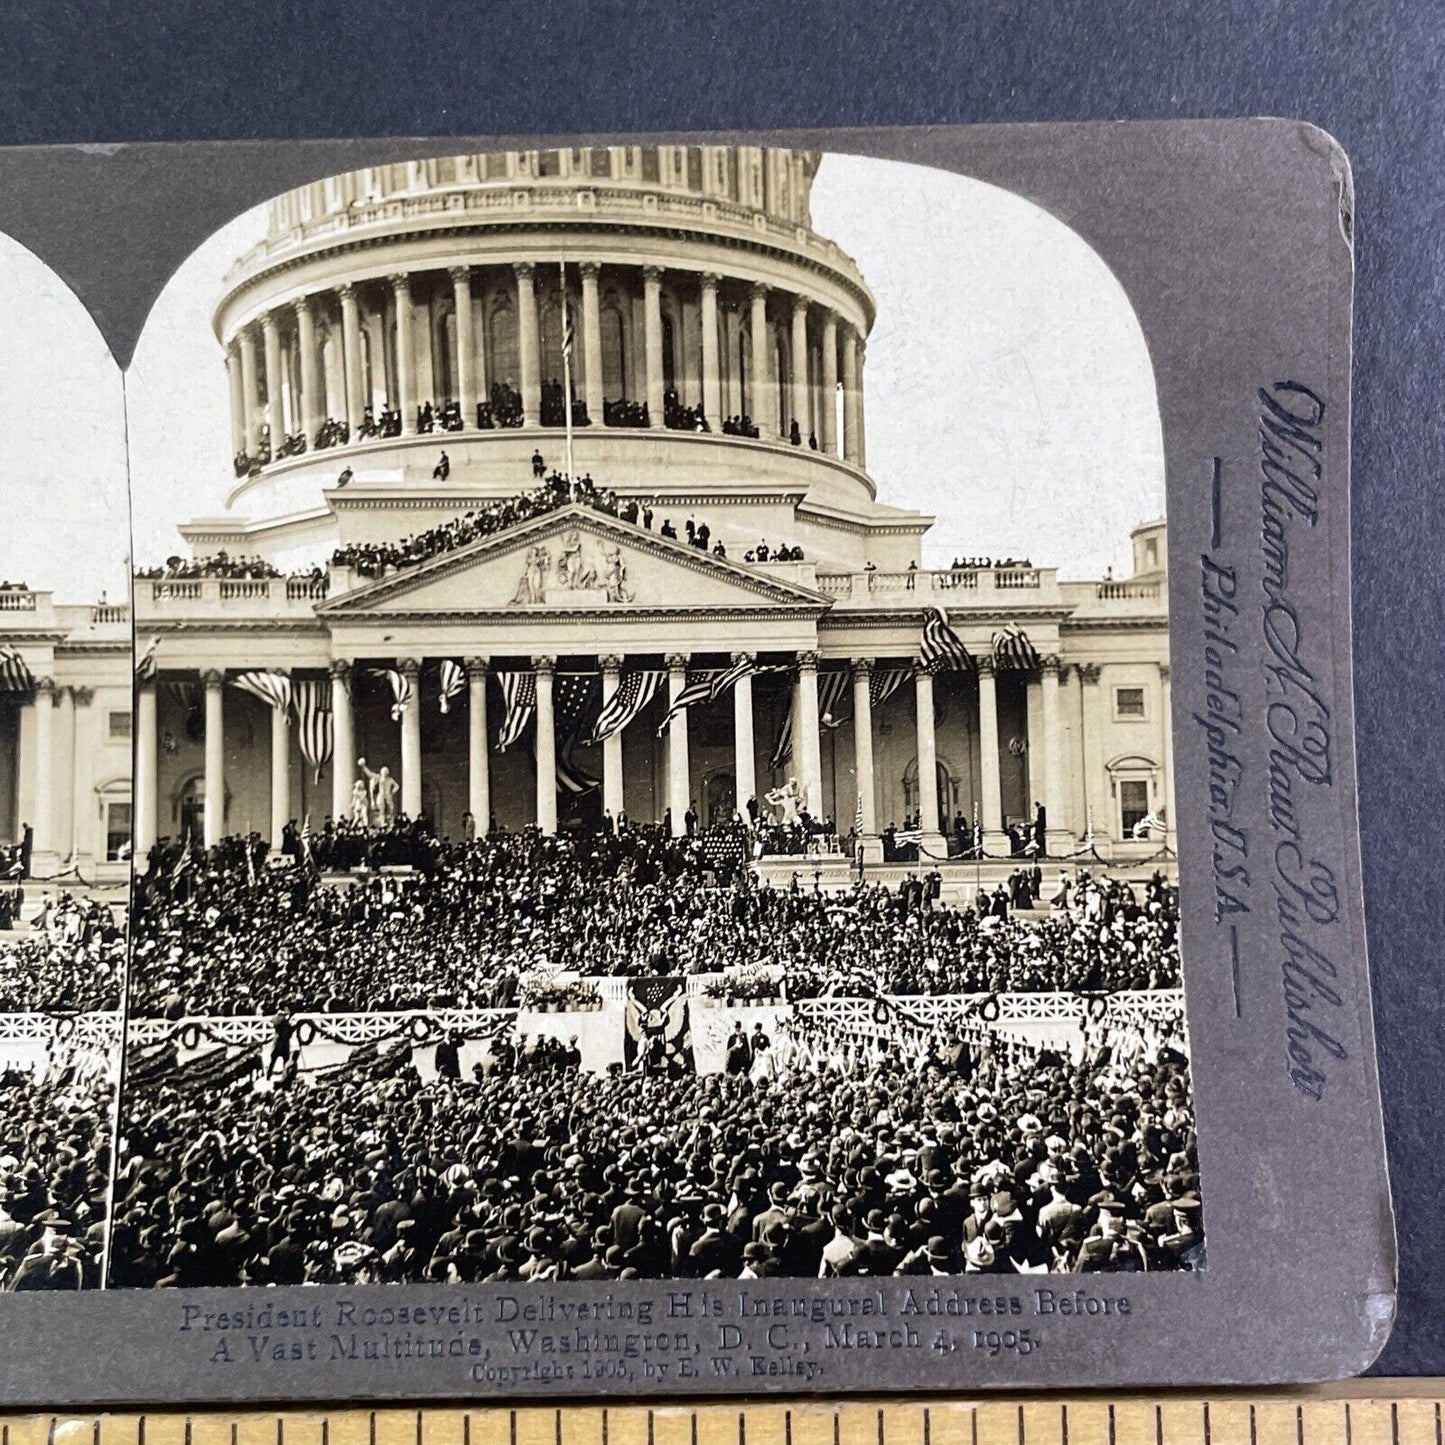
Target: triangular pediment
{"points": [[574, 559]]}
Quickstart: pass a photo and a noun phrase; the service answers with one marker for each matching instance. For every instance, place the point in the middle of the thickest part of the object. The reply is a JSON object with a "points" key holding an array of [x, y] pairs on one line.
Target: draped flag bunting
{"points": [[745, 666], [572, 779], [885, 682], [400, 689], [145, 663], [574, 696], [273, 688], [312, 701], [1013, 651], [519, 702], [941, 649], [697, 691], [453, 681], [659, 1029], [830, 688], [634, 692], [15, 674]]}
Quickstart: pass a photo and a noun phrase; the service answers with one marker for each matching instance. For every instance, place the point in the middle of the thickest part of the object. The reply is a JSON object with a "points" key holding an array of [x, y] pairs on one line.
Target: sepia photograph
{"points": [[652, 738], [65, 779]]}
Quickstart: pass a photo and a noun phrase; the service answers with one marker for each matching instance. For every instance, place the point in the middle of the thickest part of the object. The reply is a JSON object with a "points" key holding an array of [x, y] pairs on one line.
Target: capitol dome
{"points": [[717, 351]]}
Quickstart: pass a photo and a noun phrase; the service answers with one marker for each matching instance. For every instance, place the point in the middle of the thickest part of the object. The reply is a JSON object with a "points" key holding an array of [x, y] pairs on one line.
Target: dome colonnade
{"points": [[723, 317]]}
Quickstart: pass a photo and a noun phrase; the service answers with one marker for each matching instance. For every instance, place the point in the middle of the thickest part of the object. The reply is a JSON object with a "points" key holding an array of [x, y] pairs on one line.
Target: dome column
{"points": [[712, 407], [238, 400], [852, 398], [828, 431], [313, 399], [251, 389], [592, 341], [527, 359], [351, 359], [275, 405], [799, 350], [652, 342], [405, 366], [466, 344], [545, 668], [758, 358]]}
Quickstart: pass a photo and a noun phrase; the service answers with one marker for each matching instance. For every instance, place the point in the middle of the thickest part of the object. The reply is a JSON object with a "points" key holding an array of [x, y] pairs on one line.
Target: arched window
{"points": [[948, 799], [614, 355], [502, 343]]}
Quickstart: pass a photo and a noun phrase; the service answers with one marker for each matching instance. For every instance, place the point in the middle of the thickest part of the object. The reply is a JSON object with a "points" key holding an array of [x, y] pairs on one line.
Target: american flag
{"points": [[634, 692], [858, 816], [941, 649], [699, 690], [184, 861], [15, 674], [572, 779], [312, 701], [1013, 651], [744, 667], [574, 695], [830, 688], [145, 663], [885, 681], [273, 688], [306, 841], [452, 681], [519, 702], [400, 689]]}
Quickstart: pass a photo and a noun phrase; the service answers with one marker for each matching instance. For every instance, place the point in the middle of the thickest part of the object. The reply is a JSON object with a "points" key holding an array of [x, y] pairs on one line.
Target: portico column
{"points": [[592, 342], [863, 747], [351, 356], [479, 776], [991, 791], [280, 774], [765, 420], [527, 359], [466, 344], [828, 434], [652, 341], [679, 784], [799, 350], [745, 762], [1053, 754], [613, 795], [343, 740], [237, 384], [806, 726], [927, 762], [144, 786], [410, 669], [852, 398], [405, 368], [251, 387], [43, 841], [275, 403], [1166, 751], [214, 813], [545, 667], [313, 394], [711, 357]]}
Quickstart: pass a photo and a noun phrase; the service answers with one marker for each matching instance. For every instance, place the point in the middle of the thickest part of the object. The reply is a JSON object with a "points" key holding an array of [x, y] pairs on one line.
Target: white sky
{"points": [[62, 457], [1008, 385]]}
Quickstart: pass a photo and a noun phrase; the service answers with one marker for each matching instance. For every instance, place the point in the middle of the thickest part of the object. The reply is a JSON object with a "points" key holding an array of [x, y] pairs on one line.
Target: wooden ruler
{"points": [[1368, 1412]]}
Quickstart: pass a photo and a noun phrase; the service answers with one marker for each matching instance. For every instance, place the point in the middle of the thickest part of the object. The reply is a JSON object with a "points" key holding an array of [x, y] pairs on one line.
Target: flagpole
{"points": [[567, 375]]}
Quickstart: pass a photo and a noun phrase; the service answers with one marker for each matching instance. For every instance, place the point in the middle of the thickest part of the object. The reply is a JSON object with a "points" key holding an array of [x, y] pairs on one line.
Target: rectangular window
{"points": [[1128, 702], [117, 832], [118, 725], [1133, 804]]}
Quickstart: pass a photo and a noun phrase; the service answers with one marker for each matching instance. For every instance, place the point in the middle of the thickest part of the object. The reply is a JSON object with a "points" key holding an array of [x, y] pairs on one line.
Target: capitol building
{"points": [[404, 352]]}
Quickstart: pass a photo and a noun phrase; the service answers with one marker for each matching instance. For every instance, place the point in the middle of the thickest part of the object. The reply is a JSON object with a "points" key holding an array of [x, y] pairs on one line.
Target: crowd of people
{"points": [[956, 1162], [226, 934], [71, 959], [216, 564], [982, 564], [54, 1174]]}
